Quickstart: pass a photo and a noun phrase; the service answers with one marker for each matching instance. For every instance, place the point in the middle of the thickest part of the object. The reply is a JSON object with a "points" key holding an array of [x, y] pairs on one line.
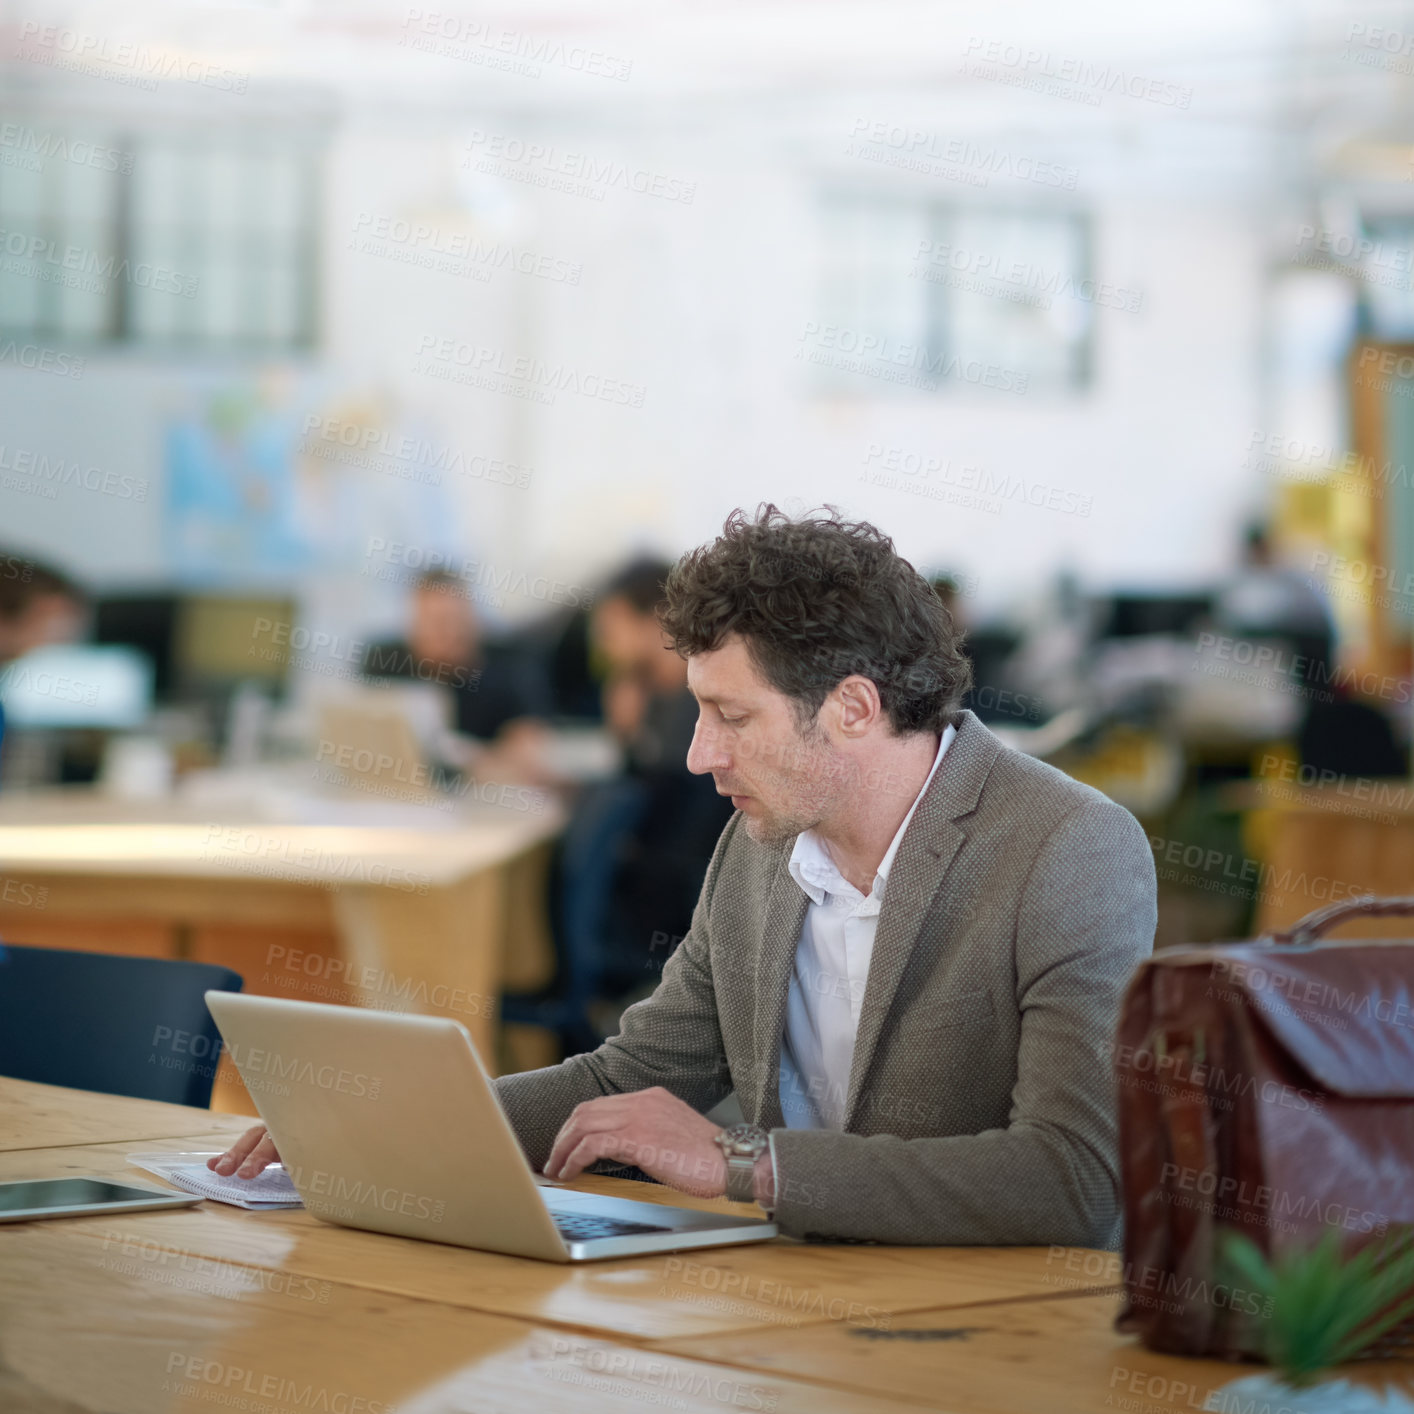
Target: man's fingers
{"points": [[261, 1157], [590, 1117], [589, 1150], [571, 1132], [238, 1152], [248, 1156]]}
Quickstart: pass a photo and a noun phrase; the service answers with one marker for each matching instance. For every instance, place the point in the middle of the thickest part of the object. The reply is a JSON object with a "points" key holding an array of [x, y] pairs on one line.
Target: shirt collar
{"points": [[815, 871]]}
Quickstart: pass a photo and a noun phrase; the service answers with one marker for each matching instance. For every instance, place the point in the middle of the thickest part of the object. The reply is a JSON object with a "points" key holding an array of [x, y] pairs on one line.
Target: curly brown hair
{"points": [[816, 600]]}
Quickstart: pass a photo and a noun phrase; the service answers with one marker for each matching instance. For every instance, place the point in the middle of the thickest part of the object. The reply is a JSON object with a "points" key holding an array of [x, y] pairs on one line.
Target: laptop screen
{"points": [[77, 685]]}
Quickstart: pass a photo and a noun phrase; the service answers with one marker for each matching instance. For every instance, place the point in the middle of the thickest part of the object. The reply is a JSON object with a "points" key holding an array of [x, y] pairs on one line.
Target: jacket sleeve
{"points": [[1051, 1176], [671, 1039]]}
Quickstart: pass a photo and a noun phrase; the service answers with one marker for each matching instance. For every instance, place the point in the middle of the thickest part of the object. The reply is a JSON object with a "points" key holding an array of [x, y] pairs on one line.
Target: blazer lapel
{"points": [[915, 882], [785, 917]]}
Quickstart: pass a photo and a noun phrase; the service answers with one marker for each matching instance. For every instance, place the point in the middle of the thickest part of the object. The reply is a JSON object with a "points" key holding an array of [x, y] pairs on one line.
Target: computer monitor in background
{"points": [[146, 622], [993, 695], [225, 640], [1140, 615], [202, 646], [82, 685]]}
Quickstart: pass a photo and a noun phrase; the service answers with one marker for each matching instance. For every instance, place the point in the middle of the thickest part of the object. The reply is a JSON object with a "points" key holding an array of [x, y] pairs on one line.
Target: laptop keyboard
{"points": [[583, 1227]]}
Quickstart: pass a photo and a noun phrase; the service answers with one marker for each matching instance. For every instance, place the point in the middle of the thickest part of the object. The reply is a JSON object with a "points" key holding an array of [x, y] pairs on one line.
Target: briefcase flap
{"points": [[1344, 1012]]}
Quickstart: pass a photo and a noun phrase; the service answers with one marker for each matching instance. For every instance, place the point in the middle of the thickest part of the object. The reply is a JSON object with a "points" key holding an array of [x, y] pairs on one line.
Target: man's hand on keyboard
{"points": [[253, 1152], [652, 1129]]}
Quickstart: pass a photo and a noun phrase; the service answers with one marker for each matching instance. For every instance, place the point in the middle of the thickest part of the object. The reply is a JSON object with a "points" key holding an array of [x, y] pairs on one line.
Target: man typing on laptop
{"points": [[910, 944]]}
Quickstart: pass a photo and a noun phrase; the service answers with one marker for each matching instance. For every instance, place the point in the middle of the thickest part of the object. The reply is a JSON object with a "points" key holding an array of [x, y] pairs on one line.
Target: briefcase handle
{"points": [[1305, 931]]}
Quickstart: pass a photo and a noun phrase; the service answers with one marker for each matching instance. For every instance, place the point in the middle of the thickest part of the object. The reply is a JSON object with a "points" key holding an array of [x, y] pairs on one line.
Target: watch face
{"points": [[746, 1139]]}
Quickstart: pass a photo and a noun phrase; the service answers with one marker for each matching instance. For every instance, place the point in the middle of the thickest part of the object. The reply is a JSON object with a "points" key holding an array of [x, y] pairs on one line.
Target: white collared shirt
{"points": [[831, 969]]}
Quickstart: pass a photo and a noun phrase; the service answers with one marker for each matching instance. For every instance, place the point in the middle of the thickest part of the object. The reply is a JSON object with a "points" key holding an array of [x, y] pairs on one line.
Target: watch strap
{"points": [[742, 1146], [741, 1179]]}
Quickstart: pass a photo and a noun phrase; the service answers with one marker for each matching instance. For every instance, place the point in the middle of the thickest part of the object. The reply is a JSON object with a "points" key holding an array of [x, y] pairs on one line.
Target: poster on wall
{"points": [[274, 477]]}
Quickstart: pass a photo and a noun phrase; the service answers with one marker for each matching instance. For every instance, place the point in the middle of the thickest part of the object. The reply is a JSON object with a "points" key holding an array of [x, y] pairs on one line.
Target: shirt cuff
{"points": [[766, 1182]]}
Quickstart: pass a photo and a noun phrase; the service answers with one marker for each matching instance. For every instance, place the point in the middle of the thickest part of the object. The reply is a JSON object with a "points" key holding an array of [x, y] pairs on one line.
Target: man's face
{"points": [[443, 628], [47, 618], [782, 778], [624, 637]]}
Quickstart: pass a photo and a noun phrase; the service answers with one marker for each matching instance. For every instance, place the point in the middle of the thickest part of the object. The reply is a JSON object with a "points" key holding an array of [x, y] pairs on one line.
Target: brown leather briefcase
{"points": [[1265, 1087]]}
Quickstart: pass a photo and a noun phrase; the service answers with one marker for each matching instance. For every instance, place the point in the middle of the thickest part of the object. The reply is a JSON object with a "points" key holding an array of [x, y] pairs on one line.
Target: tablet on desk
{"points": [[72, 1197]]}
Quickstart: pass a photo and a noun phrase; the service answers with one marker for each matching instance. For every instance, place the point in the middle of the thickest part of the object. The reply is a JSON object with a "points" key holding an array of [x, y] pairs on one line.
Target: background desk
{"points": [[199, 1308], [402, 917]]}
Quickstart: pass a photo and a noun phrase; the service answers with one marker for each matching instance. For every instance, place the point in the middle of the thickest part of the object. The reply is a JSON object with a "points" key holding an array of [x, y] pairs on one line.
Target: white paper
{"points": [[271, 1189]]}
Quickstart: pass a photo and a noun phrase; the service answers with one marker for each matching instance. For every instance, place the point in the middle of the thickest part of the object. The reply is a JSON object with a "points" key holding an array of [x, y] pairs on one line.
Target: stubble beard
{"points": [[815, 792], [774, 828]]}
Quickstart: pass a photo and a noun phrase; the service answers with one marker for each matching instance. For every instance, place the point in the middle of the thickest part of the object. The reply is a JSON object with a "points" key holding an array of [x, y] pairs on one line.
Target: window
{"points": [[203, 242], [1383, 259], [928, 297]]}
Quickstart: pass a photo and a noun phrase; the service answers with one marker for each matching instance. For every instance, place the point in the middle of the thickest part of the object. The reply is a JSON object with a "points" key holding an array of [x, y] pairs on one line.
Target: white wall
{"points": [[703, 304]]}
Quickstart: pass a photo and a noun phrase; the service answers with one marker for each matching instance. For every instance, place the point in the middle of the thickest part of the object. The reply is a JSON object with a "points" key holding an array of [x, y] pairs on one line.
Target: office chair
{"points": [[121, 1025]]}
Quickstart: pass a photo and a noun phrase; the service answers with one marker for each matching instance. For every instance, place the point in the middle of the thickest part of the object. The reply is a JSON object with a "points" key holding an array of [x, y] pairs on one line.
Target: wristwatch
{"points": [[742, 1145]]}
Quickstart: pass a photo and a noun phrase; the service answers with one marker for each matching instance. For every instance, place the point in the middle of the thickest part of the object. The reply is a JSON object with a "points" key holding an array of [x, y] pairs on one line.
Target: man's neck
{"points": [[870, 814]]}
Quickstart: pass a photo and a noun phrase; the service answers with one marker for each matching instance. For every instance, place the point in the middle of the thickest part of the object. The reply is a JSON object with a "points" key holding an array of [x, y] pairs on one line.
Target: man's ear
{"points": [[857, 705]]}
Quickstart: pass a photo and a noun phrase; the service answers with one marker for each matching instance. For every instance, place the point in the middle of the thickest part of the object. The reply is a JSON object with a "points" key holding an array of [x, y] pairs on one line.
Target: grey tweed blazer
{"points": [[980, 1105]]}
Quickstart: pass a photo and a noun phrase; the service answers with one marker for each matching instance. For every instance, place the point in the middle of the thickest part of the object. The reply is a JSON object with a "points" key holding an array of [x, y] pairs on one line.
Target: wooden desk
{"points": [[1060, 1356], [44, 1117], [400, 918], [775, 1286], [213, 1307], [101, 1327], [195, 1309]]}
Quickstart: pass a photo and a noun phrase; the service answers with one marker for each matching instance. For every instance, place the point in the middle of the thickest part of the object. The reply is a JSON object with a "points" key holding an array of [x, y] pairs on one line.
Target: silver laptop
{"points": [[388, 1122]]}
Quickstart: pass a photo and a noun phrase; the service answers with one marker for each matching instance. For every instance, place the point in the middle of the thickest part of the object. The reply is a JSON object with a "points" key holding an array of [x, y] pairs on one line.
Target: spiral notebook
{"points": [[272, 1189]]}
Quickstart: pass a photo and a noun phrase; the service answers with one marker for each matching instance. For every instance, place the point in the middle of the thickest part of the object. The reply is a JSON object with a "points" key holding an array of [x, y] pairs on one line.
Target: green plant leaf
{"points": [[1325, 1307]]}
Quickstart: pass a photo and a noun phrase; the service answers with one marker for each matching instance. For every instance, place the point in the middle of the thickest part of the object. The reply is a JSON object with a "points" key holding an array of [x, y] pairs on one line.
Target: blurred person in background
{"points": [[38, 605], [1267, 600], [631, 862], [647, 704], [662, 857], [1048, 666], [497, 694], [988, 647], [1339, 732]]}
